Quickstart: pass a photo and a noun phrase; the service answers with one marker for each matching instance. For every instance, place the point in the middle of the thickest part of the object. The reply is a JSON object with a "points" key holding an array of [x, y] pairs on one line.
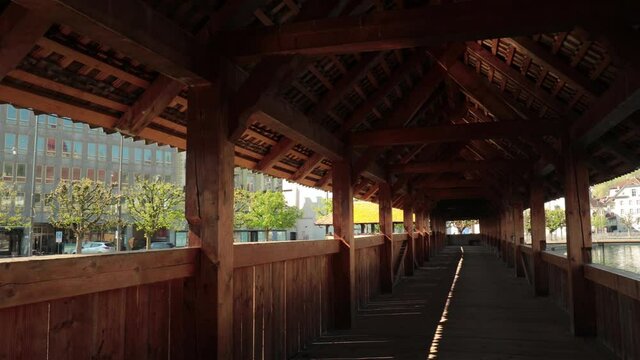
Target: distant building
{"points": [[254, 181], [623, 200], [65, 150]]}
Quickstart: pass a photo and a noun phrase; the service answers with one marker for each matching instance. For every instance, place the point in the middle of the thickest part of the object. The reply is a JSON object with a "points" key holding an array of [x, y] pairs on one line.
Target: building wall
{"points": [[625, 202], [68, 150]]}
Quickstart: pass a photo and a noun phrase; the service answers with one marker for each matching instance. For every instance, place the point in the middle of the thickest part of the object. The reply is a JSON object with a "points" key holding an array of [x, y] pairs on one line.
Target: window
{"points": [[7, 172], [630, 202], [9, 143], [167, 157], [147, 156], [23, 144], [49, 174], [20, 200], [41, 119], [159, 157], [125, 155], [621, 211], [125, 179], [39, 174], [21, 173], [67, 123], [37, 198], [102, 174], [633, 192], [91, 174], [78, 127], [114, 178], [12, 114], [65, 174], [91, 151], [77, 150], [75, 174], [137, 154], [52, 122], [102, 152], [25, 116], [51, 147], [40, 145], [66, 148], [115, 153]]}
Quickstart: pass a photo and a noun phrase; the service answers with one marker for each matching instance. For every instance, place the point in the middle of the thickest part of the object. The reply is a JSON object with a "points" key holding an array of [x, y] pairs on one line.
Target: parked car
{"points": [[97, 247], [162, 245]]}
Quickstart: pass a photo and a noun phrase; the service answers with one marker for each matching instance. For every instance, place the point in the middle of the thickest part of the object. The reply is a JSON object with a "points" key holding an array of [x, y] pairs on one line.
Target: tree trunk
{"points": [[78, 243], [147, 239], [267, 237]]}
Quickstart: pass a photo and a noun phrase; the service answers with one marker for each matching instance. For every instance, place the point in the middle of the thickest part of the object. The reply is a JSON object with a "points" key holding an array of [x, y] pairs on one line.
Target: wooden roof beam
{"points": [[282, 118], [19, 31], [515, 76], [541, 55], [457, 132], [133, 28], [396, 29], [435, 167], [619, 102], [149, 105]]}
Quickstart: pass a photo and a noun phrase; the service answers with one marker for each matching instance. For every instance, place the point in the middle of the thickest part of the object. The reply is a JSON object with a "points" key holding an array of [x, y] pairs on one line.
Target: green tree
{"points": [[324, 207], [598, 221], [268, 211], [527, 220], [461, 225], [155, 205], [554, 219], [628, 221], [7, 221], [241, 206], [82, 206]]}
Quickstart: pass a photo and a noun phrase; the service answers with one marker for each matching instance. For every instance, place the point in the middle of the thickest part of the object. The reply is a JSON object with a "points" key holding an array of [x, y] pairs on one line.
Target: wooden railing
{"points": [[617, 295], [95, 306], [140, 305], [558, 278]]}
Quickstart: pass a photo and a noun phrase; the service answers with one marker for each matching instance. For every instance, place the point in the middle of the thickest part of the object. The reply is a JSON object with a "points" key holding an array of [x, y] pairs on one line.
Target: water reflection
{"points": [[621, 256]]}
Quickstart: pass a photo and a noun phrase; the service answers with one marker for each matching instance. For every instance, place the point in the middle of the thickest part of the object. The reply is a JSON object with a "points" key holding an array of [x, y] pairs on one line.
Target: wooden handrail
{"points": [[624, 282], [555, 259], [526, 249], [251, 254], [369, 241], [399, 237], [44, 278]]}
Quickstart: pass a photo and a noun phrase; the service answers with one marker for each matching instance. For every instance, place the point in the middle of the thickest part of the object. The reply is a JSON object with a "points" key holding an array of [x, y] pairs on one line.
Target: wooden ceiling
{"points": [[456, 100]]}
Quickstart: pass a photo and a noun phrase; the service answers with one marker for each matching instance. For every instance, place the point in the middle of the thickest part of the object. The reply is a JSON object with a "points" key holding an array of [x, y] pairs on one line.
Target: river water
{"points": [[621, 256]]}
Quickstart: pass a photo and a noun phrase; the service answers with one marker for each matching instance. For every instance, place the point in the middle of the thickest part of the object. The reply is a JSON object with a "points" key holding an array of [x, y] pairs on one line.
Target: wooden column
{"points": [[518, 237], [409, 259], [209, 211], [427, 235], [419, 237], [538, 239], [344, 261], [578, 216], [386, 228]]}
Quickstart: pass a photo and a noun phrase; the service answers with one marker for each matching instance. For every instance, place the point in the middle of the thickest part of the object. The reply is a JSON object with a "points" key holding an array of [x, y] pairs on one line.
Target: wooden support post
{"points": [[209, 210], [578, 217], [386, 228], [518, 232], [419, 237], [343, 262], [538, 240], [409, 259], [428, 234]]}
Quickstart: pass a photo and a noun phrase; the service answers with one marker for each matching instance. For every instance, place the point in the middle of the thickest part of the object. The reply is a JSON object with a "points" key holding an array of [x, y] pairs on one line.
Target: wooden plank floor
{"points": [[491, 315]]}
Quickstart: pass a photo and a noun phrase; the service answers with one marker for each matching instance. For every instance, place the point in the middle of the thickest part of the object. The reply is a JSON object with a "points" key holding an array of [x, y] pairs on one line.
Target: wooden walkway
{"points": [[490, 315]]}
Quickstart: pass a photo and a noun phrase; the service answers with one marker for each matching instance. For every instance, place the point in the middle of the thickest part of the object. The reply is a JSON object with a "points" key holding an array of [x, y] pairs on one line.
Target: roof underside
{"points": [[359, 68]]}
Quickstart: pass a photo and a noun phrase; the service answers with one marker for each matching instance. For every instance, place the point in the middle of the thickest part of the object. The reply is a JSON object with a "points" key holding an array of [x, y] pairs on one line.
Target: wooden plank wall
{"points": [[367, 274], [558, 290], [137, 322], [280, 306]]}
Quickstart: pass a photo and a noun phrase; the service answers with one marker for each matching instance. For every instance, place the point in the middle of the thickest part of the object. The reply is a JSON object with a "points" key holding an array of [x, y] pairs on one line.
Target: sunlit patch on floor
{"points": [[433, 349]]}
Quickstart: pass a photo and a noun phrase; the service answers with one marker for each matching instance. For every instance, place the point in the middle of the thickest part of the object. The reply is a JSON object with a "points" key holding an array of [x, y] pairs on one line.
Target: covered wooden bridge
{"points": [[446, 109]]}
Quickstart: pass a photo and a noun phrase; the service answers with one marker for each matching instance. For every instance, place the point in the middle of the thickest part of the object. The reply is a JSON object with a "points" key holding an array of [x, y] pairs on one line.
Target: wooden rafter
{"points": [[150, 105], [408, 28], [434, 167], [19, 31], [457, 132]]}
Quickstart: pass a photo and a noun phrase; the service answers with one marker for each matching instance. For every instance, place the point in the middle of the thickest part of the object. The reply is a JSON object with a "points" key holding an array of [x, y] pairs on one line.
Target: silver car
{"points": [[97, 247]]}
